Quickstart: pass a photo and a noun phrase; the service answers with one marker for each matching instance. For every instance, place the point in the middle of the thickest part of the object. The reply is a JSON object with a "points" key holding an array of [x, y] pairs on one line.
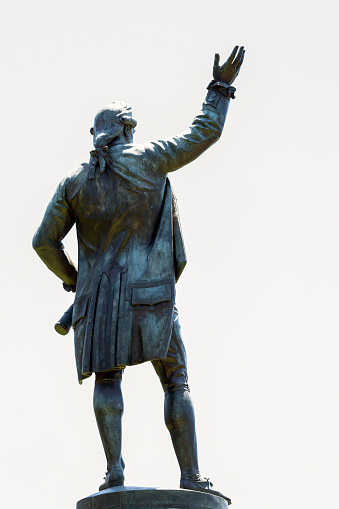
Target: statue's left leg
{"points": [[179, 411], [108, 408]]}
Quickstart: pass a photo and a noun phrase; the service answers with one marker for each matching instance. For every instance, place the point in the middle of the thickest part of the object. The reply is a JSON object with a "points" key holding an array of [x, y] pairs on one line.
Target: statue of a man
{"points": [[131, 253]]}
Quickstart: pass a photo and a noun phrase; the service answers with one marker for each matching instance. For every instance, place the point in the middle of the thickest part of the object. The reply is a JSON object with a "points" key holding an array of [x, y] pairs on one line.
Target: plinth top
{"points": [[132, 497]]}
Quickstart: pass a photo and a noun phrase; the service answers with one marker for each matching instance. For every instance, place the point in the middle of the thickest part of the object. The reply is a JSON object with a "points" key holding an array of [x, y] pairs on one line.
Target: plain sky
{"points": [[258, 300]]}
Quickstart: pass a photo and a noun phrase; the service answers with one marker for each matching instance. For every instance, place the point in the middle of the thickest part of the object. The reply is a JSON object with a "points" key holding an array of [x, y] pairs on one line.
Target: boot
{"points": [[200, 484], [113, 478]]}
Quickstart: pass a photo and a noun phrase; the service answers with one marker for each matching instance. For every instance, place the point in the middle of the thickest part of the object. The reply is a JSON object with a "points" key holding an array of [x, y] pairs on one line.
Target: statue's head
{"points": [[112, 121]]}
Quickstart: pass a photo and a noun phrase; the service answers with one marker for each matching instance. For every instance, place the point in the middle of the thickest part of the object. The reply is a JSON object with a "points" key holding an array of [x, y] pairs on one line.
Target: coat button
{"points": [[124, 270], [151, 308]]}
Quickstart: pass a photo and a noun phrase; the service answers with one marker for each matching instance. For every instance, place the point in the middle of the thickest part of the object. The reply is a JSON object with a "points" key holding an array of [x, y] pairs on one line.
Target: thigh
{"points": [[172, 371]]}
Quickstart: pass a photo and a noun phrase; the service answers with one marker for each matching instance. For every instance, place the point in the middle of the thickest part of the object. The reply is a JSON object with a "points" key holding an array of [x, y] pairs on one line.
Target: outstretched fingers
{"points": [[232, 55], [216, 62], [240, 57], [241, 60], [230, 69]]}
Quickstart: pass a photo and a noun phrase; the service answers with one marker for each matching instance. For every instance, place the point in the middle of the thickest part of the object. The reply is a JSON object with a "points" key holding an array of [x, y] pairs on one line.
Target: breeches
{"points": [[171, 371]]}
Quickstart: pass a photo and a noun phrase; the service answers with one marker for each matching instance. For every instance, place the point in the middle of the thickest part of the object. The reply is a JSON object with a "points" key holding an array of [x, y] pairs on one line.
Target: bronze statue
{"points": [[131, 254]]}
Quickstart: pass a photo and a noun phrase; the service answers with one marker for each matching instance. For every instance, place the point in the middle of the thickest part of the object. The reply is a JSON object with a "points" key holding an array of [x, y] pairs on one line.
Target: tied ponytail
{"points": [[109, 124]]}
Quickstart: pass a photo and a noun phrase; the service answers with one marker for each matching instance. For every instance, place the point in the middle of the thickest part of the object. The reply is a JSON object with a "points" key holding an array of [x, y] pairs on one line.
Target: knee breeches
{"points": [[171, 371]]}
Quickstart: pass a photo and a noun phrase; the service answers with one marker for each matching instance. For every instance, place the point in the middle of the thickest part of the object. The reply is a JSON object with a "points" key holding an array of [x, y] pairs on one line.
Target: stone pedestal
{"points": [[130, 497]]}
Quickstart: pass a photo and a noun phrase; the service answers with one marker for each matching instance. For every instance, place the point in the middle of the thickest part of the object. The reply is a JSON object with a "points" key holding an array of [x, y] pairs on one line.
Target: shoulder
{"points": [[78, 173], [127, 150], [74, 180]]}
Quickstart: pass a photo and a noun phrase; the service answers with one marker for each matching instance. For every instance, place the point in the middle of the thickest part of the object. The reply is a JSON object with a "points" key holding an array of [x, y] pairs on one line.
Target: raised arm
{"points": [[172, 153], [57, 222]]}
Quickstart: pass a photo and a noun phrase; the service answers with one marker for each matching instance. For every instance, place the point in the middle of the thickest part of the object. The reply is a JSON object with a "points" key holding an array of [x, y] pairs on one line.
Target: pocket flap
{"points": [[151, 295]]}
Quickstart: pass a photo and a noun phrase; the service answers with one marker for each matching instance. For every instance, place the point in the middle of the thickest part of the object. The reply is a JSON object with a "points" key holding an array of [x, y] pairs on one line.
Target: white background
{"points": [[259, 298]]}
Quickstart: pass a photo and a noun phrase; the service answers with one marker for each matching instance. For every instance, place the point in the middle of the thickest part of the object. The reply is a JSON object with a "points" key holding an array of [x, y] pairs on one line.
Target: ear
{"points": [[127, 130], [91, 131]]}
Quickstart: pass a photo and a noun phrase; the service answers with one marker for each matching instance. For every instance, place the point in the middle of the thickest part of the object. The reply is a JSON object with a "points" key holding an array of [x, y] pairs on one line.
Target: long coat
{"points": [[130, 245]]}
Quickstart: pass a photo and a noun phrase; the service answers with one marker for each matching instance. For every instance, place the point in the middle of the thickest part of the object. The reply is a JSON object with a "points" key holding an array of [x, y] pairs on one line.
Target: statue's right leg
{"points": [[108, 407], [178, 407], [179, 413]]}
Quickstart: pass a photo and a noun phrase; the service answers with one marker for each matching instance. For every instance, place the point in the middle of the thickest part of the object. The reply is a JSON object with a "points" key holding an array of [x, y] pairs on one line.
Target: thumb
{"points": [[216, 61]]}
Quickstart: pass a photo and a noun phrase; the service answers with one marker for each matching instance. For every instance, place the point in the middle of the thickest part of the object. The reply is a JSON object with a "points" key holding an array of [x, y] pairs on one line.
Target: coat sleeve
{"points": [[171, 154], [57, 222]]}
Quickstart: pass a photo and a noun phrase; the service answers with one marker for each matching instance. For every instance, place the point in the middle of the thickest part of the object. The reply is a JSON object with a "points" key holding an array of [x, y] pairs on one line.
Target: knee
{"points": [[176, 381]]}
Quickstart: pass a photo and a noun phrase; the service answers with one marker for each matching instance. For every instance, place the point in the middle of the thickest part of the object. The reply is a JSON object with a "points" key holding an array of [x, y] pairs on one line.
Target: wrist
{"points": [[223, 87]]}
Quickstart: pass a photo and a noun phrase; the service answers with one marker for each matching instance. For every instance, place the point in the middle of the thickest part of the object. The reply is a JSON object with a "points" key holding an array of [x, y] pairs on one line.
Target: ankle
{"points": [[191, 477], [115, 472]]}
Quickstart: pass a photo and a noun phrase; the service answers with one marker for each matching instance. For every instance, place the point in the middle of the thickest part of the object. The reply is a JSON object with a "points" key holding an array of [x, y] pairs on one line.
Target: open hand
{"points": [[230, 70]]}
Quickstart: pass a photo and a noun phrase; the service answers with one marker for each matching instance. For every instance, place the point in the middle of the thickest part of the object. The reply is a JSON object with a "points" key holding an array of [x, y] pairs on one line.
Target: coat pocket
{"points": [[149, 320], [79, 311], [150, 294]]}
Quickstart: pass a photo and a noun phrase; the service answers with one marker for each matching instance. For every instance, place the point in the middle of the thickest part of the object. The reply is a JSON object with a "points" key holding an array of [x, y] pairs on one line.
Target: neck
{"points": [[119, 140]]}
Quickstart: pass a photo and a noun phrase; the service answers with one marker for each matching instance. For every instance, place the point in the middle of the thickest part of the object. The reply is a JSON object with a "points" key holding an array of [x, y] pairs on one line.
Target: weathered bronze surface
{"points": [[131, 253]]}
